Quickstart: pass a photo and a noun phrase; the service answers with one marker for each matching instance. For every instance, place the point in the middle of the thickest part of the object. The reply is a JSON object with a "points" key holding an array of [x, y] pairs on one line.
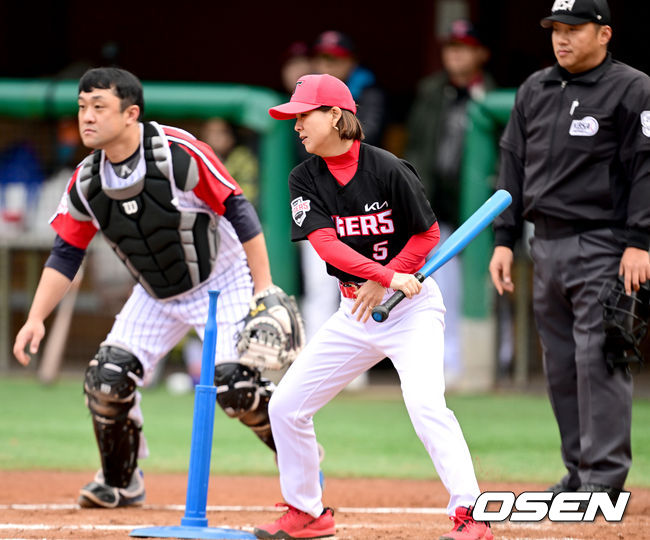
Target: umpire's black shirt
{"points": [[575, 154]]}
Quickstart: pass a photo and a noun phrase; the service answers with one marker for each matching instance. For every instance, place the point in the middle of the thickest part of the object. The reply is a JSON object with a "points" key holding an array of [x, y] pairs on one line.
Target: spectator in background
{"points": [[320, 292], [21, 177], [335, 54], [67, 145], [67, 151], [435, 136], [243, 165], [296, 62], [238, 158]]}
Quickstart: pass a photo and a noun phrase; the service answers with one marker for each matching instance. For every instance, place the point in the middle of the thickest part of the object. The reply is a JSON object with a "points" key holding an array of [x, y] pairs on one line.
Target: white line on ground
{"points": [[181, 508], [397, 510], [44, 527], [247, 528], [89, 527]]}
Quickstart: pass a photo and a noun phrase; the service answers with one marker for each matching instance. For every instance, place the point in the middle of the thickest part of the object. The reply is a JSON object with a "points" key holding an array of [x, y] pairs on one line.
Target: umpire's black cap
{"points": [[578, 12]]}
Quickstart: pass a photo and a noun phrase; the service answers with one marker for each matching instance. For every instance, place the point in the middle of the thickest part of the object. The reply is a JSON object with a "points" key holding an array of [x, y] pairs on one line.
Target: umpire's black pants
{"points": [[593, 408]]}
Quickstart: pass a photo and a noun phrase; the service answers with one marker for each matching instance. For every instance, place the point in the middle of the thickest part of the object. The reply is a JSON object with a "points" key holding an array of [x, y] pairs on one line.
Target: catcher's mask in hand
{"points": [[625, 320]]}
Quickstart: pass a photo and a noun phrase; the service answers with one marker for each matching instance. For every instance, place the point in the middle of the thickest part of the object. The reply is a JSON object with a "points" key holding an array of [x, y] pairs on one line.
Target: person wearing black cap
{"points": [[575, 156]]}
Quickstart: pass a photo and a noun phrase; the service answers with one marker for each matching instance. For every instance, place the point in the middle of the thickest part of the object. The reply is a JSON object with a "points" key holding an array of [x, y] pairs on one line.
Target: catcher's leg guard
{"points": [[110, 384], [242, 393]]}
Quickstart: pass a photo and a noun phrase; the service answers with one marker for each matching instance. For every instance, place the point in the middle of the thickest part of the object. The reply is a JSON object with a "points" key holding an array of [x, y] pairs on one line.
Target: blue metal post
{"points": [[194, 523]]}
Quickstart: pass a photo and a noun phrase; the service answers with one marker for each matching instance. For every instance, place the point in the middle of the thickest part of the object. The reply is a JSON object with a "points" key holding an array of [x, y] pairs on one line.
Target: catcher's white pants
{"points": [[150, 328], [412, 337]]}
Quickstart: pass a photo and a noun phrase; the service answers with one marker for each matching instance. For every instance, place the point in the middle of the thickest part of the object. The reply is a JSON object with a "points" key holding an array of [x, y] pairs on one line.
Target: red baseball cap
{"points": [[334, 43], [463, 31], [313, 91]]}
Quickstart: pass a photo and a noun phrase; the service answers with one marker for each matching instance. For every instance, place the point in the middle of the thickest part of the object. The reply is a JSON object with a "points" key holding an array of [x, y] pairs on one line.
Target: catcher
{"points": [[181, 225]]}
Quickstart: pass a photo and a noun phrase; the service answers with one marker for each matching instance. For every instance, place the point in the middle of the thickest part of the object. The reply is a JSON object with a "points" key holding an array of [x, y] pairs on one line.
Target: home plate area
{"points": [[42, 504]]}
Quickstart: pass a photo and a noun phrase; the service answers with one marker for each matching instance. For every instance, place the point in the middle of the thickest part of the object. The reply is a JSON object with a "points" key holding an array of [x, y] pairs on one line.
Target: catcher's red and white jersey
{"points": [[214, 187], [149, 327]]}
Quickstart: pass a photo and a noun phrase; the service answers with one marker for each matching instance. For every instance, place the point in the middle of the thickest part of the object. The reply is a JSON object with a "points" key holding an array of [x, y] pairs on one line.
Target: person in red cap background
{"points": [[366, 214], [335, 54], [320, 292], [435, 135]]}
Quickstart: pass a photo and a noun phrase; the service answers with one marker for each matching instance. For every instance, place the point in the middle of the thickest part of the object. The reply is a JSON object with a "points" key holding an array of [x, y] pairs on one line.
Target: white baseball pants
{"points": [[412, 337]]}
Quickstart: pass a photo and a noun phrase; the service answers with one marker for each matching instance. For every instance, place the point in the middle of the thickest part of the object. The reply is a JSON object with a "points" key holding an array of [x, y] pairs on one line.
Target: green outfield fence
{"points": [[486, 119]]}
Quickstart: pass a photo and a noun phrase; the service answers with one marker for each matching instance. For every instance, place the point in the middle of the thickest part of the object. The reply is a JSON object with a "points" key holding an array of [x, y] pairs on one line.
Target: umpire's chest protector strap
{"points": [[168, 250]]}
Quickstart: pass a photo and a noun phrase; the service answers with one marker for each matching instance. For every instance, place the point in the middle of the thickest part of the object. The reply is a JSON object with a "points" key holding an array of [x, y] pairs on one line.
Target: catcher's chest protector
{"points": [[167, 250]]}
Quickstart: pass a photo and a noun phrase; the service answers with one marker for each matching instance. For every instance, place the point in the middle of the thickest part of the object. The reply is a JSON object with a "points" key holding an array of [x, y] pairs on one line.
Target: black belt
{"points": [[548, 228]]}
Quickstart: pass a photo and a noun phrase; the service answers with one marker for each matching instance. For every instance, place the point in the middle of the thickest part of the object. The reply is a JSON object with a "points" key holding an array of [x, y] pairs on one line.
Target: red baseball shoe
{"points": [[298, 524], [465, 528]]}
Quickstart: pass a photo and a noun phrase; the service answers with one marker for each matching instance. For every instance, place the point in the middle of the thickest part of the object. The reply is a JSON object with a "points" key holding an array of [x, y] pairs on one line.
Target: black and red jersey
{"points": [[375, 213]]}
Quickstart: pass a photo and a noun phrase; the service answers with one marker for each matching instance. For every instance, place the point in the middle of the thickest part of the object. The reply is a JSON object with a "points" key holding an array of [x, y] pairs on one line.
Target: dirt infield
{"points": [[41, 505]]}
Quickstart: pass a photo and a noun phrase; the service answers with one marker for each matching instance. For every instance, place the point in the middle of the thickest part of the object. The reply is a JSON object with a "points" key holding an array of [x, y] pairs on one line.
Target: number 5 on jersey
{"points": [[380, 250]]}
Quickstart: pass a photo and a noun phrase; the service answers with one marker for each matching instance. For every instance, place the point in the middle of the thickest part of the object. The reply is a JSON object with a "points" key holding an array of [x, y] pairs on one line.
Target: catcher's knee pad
{"points": [[110, 383], [242, 393]]}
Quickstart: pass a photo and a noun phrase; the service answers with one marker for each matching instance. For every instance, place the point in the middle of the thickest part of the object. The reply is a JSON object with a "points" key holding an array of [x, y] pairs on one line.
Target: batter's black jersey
{"points": [[375, 213]]}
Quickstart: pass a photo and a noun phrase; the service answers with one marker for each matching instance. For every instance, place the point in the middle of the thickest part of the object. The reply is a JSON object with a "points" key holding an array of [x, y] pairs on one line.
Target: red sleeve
{"points": [[413, 254], [343, 257], [74, 232], [215, 182]]}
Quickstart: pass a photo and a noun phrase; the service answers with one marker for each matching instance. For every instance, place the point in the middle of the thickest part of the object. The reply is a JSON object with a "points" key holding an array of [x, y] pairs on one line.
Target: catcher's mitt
{"points": [[273, 332]]}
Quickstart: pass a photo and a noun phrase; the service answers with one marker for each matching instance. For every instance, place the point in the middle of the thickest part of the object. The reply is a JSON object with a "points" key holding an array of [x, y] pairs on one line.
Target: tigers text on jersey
{"points": [[375, 213]]}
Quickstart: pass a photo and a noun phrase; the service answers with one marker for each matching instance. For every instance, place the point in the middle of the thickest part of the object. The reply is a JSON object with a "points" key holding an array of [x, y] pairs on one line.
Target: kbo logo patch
{"points": [[299, 209], [587, 127], [645, 123]]}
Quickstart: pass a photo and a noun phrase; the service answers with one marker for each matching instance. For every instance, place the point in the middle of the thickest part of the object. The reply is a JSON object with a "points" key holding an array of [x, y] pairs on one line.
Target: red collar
{"points": [[344, 166]]}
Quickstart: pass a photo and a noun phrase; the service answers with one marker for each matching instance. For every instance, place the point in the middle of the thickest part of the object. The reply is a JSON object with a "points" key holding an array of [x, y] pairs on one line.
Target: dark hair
{"points": [[349, 126], [126, 85]]}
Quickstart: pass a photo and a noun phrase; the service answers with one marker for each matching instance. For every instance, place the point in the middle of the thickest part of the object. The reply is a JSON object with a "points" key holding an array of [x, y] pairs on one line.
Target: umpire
{"points": [[576, 159]]}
